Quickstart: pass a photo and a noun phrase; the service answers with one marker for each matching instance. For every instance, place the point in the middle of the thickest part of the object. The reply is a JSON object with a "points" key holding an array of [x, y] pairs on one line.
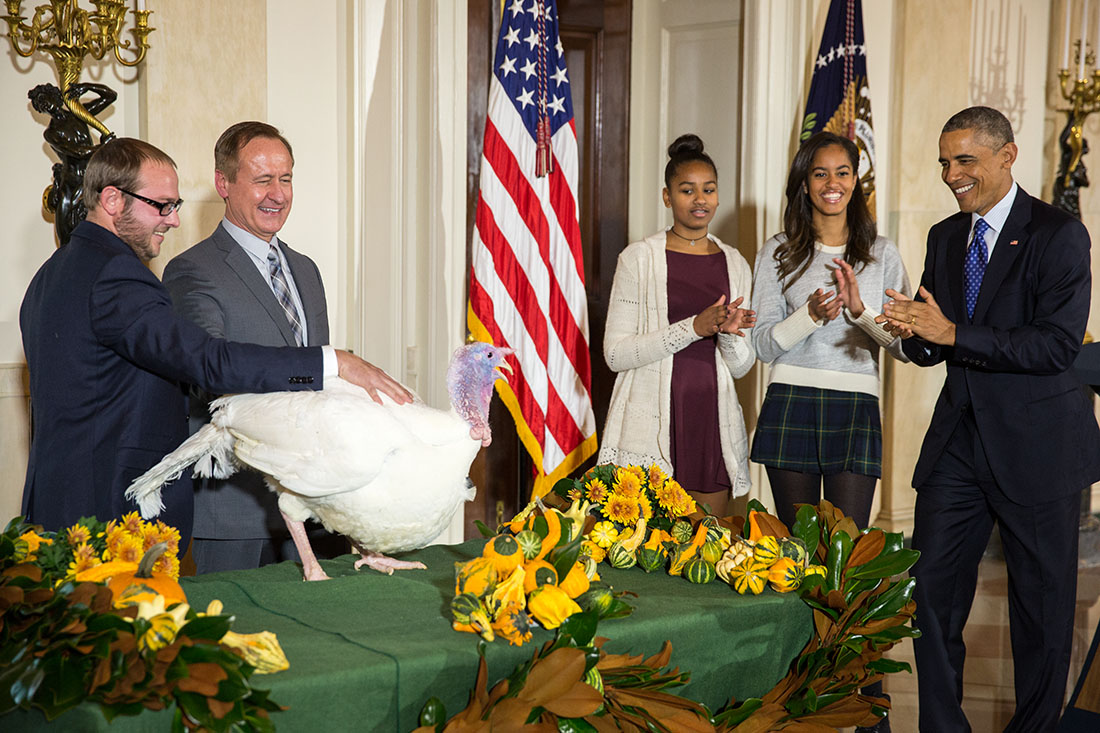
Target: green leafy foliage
{"points": [[63, 643]]}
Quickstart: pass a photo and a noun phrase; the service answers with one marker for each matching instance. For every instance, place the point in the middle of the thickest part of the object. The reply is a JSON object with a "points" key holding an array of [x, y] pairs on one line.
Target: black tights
{"points": [[850, 492]]}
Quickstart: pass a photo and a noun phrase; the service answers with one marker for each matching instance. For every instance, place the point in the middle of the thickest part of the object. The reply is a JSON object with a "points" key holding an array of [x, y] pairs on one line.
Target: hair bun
{"points": [[688, 144]]}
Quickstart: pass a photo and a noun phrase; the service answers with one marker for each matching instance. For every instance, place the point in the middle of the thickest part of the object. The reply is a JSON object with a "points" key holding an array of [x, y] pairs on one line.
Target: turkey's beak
{"points": [[504, 365]]}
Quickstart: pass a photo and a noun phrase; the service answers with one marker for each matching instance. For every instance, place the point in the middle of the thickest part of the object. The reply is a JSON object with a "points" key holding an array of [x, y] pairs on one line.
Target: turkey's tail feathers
{"points": [[210, 449]]}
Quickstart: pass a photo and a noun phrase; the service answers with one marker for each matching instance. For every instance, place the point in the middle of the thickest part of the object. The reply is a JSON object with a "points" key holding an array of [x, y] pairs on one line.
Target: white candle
{"points": [[141, 5], [1084, 40], [1065, 42]]}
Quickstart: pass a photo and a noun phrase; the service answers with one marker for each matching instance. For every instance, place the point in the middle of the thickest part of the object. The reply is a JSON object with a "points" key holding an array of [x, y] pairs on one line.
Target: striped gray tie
{"points": [[282, 293]]}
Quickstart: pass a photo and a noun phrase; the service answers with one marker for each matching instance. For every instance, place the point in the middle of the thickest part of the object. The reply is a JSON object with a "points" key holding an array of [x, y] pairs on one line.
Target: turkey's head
{"points": [[470, 378]]}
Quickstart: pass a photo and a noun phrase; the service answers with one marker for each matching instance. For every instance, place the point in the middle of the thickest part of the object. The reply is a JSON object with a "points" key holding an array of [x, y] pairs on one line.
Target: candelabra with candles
{"points": [[69, 33], [1083, 95]]}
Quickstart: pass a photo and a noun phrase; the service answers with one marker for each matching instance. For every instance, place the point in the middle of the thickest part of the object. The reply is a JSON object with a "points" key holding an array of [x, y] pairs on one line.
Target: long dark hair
{"points": [[798, 218], [685, 149]]}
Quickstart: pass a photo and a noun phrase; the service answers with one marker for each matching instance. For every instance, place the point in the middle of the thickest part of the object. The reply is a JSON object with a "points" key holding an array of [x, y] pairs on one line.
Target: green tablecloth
{"points": [[367, 650]]}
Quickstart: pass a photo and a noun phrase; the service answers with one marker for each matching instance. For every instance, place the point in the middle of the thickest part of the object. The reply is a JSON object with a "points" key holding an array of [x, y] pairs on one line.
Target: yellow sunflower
{"points": [[645, 508], [603, 534], [77, 534], [167, 564], [575, 494], [84, 557], [628, 483], [596, 491], [169, 535], [622, 509], [656, 476], [127, 549], [132, 523]]}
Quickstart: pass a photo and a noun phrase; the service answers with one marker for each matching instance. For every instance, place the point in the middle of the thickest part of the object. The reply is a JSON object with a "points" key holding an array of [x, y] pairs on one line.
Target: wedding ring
{"points": [[913, 320]]}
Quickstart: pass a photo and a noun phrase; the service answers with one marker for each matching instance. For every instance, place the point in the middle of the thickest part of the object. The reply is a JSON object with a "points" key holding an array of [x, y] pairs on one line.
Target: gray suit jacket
{"points": [[216, 285]]}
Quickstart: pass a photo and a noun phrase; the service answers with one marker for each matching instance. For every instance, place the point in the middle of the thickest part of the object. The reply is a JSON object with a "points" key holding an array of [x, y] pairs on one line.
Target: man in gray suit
{"points": [[244, 284]]}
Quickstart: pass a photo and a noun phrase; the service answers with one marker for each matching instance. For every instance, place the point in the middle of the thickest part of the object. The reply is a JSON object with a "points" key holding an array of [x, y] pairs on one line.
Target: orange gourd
{"points": [[131, 587]]}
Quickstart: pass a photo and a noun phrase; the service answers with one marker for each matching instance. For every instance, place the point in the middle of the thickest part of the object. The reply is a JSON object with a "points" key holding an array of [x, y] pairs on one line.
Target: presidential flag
{"points": [[527, 278], [840, 100]]}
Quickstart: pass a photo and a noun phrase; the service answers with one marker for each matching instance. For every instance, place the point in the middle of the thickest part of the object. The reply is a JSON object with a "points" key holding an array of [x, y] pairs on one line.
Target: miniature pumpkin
{"points": [[680, 556], [681, 531], [711, 551], [503, 551], [132, 587], [538, 572], [651, 558], [576, 581], [699, 570], [785, 575], [766, 550], [749, 577], [793, 548], [529, 543], [477, 576], [621, 557], [550, 606]]}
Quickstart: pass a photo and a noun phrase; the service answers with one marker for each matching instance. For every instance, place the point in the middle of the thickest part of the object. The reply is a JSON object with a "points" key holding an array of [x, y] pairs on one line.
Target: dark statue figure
{"points": [[1072, 174], [72, 142]]}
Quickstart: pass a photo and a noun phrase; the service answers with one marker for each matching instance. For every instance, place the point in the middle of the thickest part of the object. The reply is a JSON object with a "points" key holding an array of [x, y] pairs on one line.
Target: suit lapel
{"points": [[241, 264], [1010, 243], [957, 242]]}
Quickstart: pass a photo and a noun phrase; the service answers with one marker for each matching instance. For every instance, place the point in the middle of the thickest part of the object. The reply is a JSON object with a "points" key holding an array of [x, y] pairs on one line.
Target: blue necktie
{"points": [[282, 293], [976, 256]]}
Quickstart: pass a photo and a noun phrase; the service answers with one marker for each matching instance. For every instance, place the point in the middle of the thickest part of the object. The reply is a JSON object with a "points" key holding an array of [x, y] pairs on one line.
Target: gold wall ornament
{"points": [[69, 33]]}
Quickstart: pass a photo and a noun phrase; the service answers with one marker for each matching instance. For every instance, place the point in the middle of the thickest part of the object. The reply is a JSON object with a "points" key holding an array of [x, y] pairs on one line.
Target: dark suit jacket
{"points": [[216, 286], [1011, 364], [107, 358]]}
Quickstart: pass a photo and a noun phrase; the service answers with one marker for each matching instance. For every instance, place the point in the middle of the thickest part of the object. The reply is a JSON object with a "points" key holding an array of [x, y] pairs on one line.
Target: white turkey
{"points": [[388, 477]]}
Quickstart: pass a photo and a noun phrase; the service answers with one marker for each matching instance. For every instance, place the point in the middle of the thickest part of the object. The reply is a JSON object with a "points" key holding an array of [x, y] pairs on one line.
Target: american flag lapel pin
{"points": [[1014, 242]]}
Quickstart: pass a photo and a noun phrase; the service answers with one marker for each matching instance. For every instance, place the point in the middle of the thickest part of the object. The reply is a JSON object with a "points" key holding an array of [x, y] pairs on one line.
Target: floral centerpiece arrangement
{"points": [[95, 613], [530, 573], [861, 608]]}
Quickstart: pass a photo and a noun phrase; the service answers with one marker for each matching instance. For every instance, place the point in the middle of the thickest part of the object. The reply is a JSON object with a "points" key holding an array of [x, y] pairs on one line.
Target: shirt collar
{"points": [[998, 215], [249, 242]]}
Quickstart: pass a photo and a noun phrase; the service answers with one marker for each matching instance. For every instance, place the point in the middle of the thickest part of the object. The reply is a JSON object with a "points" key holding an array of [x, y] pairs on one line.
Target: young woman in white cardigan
{"points": [[675, 336]]}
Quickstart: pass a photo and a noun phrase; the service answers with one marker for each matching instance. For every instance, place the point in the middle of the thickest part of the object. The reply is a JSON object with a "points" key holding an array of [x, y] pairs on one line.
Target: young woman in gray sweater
{"points": [[817, 288]]}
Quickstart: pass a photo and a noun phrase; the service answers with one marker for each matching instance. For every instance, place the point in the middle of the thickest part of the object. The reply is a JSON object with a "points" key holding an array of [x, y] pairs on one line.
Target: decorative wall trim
{"points": [[14, 380]]}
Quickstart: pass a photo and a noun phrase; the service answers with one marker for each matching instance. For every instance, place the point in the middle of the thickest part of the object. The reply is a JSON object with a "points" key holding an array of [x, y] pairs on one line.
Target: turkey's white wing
{"points": [[313, 443]]}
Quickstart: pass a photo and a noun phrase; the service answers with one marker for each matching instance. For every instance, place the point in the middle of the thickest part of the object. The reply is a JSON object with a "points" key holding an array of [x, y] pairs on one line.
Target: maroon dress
{"points": [[694, 283]]}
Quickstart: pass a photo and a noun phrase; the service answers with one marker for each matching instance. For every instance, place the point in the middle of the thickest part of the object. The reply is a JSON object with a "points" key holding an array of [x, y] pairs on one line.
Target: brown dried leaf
{"points": [[799, 726], [770, 524], [203, 678], [661, 658], [867, 548], [763, 720], [553, 676], [219, 708], [845, 524], [24, 570], [578, 701]]}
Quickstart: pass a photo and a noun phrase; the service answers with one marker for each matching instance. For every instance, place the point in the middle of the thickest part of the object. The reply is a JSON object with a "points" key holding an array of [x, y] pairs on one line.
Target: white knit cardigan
{"points": [[639, 344]]}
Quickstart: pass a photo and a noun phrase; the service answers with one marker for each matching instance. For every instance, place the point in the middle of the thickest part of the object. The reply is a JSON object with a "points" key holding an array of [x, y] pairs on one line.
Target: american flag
{"points": [[527, 280]]}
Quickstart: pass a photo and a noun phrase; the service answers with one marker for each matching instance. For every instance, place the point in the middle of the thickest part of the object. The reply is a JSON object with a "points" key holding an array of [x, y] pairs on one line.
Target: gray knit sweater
{"points": [[841, 354]]}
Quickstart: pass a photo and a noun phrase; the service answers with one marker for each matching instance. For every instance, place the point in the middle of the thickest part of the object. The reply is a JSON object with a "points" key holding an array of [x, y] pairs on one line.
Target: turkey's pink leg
{"points": [[384, 564], [310, 567]]}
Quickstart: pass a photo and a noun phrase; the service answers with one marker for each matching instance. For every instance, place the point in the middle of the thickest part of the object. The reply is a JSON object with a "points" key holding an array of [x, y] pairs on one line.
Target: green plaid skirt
{"points": [[821, 431]]}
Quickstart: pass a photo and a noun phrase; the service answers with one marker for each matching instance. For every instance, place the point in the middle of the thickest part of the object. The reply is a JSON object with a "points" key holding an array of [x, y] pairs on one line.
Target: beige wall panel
{"points": [[928, 89], [208, 71], [14, 438]]}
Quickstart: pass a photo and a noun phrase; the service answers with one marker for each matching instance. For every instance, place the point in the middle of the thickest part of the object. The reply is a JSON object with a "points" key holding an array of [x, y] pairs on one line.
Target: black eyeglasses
{"points": [[165, 208]]}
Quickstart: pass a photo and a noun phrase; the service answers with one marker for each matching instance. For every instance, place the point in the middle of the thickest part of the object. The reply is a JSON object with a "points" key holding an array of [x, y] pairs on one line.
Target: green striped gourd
{"points": [[766, 550], [620, 557], [698, 570]]}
